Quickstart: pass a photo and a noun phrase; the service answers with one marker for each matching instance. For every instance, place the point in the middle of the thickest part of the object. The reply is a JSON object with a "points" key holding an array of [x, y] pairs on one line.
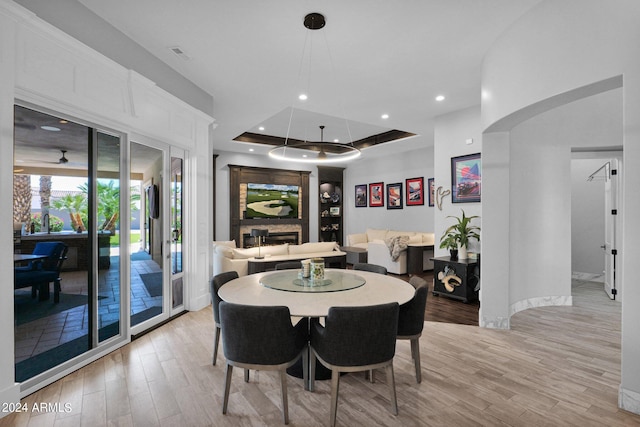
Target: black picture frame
{"points": [[431, 190], [394, 196], [466, 178], [361, 196]]}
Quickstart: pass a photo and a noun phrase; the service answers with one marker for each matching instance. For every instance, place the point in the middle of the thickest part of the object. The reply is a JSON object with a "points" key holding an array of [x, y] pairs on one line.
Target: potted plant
{"points": [[462, 231], [449, 241]]}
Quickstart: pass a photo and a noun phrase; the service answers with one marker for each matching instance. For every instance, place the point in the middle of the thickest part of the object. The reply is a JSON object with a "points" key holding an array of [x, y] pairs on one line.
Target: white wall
{"points": [[388, 169], [451, 133], [584, 48]]}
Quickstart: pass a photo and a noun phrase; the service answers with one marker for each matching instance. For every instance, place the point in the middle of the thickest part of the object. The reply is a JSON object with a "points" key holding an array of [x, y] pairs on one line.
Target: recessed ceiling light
{"points": [[385, 116], [251, 149], [50, 128], [304, 155], [336, 140], [63, 122], [261, 128], [302, 97], [440, 98]]}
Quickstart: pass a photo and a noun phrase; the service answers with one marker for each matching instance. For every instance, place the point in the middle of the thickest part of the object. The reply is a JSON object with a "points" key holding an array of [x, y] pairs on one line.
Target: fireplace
{"points": [[271, 239]]}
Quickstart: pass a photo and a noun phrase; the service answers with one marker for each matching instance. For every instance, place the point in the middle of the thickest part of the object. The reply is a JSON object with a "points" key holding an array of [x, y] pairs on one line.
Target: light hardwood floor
{"points": [[556, 366]]}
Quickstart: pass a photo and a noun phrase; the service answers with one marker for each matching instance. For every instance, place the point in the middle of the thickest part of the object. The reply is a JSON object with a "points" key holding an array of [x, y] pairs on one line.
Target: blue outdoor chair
{"points": [[38, 274]]}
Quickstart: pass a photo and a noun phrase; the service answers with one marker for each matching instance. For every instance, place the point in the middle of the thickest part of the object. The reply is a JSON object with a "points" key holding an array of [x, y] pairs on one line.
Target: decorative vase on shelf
{"points": [[453, 254]]}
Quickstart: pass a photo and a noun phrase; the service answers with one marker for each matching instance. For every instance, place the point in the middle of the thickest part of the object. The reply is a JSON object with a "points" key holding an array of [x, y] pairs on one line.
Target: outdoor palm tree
{"points": [[76, 205]]}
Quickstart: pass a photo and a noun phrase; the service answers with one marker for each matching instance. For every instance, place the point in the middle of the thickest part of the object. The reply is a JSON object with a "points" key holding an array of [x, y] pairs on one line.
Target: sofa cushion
{"points": [[227, 243], [416, 238], [264, 250], [428, 238], [224, 251], [357, 239], [311, 247], [395, 233], [376, 234]]}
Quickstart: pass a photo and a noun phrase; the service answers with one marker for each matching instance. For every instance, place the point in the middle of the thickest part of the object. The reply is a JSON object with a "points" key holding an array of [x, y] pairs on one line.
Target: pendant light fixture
{"points": [[313, 151]]}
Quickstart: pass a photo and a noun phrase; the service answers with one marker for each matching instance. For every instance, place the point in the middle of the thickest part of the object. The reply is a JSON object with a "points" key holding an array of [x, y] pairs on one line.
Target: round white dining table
{"points": [[377, 289]]}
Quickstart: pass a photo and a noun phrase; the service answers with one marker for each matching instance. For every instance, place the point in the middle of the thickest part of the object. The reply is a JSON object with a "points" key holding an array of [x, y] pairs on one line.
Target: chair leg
{"points": [[227, 386], [305, 367], [43, 289], [392, 388], [56, 291], [415, 353], [335, 386], [34, 291], [312, 370], [285, 402], [216, 342], [369, 374], [246, 375]]}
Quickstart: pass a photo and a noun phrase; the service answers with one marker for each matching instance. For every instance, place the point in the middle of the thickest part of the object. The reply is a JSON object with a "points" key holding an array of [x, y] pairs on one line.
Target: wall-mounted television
{"points": [[272, 201]]}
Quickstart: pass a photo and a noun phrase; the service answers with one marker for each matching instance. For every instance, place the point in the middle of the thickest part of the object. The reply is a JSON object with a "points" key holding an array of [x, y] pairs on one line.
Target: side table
{"points": [[415, 252], [456, 279], [355, 255]]}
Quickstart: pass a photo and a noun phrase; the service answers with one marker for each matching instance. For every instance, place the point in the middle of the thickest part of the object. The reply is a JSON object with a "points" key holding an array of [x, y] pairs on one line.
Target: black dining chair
{"points": [[411, 320], [374, 268], [289, 265], [355, 339], [215, 284], [262, 338], [39, 274]]}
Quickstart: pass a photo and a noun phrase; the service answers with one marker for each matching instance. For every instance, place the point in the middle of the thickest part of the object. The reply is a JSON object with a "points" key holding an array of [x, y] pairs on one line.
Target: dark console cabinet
{"points": [[456, 279]]}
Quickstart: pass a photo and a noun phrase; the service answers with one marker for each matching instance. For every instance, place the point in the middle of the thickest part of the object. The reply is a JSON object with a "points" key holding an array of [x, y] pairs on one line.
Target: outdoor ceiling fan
{"points": [[62, 160]]}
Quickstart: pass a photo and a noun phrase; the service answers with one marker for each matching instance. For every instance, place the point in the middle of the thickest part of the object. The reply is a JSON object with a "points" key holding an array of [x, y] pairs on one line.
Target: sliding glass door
{"points": [[66, 210]]}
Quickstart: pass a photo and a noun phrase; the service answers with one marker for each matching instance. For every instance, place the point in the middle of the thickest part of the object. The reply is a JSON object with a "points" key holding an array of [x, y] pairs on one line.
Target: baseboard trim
{"points": [[540, 302], [629, 400], [10, 395]]}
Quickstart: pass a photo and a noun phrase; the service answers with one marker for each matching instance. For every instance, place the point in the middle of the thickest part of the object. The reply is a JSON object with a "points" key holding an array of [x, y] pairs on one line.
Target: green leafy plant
{"points": [[460, 232], [449, 241]]}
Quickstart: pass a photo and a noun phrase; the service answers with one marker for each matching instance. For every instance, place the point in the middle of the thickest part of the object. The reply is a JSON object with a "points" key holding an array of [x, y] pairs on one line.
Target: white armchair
{"points": [[378, 253]]}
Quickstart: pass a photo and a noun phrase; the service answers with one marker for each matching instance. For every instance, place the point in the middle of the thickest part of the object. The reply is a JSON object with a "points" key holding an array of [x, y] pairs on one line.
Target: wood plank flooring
{"points": [[557, 366]]}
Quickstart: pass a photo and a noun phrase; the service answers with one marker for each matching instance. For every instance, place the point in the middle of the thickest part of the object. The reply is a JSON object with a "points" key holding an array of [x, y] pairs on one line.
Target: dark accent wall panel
{"points": [[249, 174]]}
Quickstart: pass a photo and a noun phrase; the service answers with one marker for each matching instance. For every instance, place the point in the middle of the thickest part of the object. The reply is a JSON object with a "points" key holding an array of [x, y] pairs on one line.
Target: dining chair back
{"points": [[215, 284], [411, 320], [289, 265], [262, 338], [374, 268], [39, 274], [355, 339]]}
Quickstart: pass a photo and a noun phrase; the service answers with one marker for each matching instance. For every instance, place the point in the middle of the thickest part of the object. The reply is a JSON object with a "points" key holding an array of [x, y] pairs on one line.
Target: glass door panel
{"points": [[52, 310], [177, 284], [147, 259], [108, 235]]}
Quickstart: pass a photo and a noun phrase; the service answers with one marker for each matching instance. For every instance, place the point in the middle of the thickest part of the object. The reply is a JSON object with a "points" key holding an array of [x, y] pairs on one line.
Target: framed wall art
{"points": [[466, 178], [394, 196], [376, 194], [361, 196], [432, 191], [415, 191]]}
